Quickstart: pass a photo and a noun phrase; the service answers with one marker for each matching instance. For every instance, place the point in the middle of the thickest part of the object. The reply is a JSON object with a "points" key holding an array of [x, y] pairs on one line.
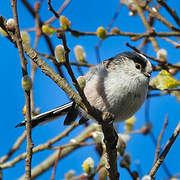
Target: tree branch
{"points": [[18, 40]]}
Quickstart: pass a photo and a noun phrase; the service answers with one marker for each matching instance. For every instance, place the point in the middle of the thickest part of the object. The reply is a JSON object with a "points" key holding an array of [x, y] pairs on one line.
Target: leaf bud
{"points": [[79, 53], [64, 22], [69, 175], [101, 32], [59, 54], [81, 82], [88, 165], [26, 83], [47, 29], [10, 24], [147, 177], [162, 55], [115, 30]]}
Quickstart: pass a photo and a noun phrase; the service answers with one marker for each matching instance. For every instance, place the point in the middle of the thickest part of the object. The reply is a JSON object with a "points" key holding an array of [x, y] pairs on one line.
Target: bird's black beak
{"points": [[147, 74]]}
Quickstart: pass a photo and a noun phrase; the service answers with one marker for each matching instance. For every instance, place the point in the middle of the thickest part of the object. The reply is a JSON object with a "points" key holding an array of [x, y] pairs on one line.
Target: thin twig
{"points": [[72, 144], [167, 148], [52, 10], [14, 148], [33, 65], [177, 45], [29, 8], [55, 164], [134, 36], [158, 147], [171, 11], [64, 5], [84, 64], [131, 174]]}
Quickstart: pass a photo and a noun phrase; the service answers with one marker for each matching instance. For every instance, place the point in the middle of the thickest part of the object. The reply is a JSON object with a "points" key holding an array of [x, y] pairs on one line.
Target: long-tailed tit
{"points": [[118, 85]]}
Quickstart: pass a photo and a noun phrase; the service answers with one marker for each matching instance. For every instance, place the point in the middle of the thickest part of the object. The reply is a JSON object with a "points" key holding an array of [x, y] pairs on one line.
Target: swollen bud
{"points": [[69, 175], [147, 177], [25, 37], [79, 53], [88, 165], [26, 83], [162, 55], [64, 22], [101, 32], [81, 81], [115, 30], [10, 24], [47, 29], [59, 54]]}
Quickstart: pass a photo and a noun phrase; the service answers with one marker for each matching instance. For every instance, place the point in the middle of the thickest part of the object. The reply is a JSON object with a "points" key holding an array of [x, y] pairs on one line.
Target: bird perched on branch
{"points": [[118, 85]]}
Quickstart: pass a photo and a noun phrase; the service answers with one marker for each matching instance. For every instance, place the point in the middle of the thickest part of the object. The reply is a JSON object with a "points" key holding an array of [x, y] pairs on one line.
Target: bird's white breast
{"points": [[117, 92]]}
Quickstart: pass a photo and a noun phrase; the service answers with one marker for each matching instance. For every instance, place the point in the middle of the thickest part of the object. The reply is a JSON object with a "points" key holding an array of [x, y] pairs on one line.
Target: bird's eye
{"points": [[138, 66]]}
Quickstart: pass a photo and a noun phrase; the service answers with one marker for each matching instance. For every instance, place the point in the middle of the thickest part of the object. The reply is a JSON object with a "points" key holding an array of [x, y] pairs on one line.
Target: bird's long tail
{"points": [[70, 109]]}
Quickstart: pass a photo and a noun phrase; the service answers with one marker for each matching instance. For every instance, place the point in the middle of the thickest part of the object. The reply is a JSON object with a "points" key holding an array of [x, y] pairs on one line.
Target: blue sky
{"points": [[85, 16]]}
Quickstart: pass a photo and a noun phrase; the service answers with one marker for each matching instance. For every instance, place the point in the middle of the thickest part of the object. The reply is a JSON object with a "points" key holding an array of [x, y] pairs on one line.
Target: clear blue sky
{"points": [[85, 16]]}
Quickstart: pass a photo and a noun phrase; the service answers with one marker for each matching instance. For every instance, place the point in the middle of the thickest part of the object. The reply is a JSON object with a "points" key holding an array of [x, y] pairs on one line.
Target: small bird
{"points": [[118, 85]]}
